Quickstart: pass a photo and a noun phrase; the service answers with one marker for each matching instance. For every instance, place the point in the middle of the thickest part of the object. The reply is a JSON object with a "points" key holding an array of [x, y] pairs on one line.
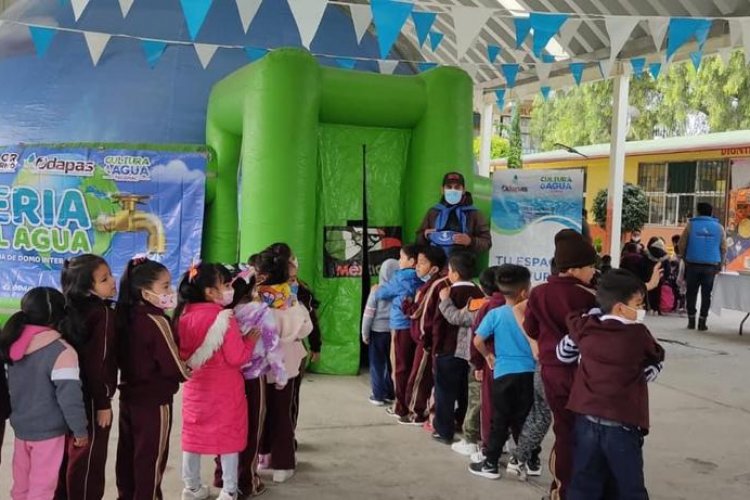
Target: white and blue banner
{"points": [[529, 207]]}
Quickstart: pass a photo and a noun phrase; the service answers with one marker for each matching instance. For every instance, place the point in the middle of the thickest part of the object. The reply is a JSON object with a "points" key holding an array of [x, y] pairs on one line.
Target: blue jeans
{"points": [[607, 458], [380, 365]]}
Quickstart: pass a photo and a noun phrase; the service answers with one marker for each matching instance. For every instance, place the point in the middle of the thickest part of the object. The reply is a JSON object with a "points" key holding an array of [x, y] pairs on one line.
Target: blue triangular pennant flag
{"points": [[577, 69], [548, 58], [696, 57], [638, 64], [545, 92], [545, 26], [510, 72], [389, 17], [500, 98], [154, 50], [346, 62], [425, 66], [195, 12], [655, 70], [436, 39], [523, 26], [42, 38], [492, 52], [423, 21], [254, 54], [682, 29]]}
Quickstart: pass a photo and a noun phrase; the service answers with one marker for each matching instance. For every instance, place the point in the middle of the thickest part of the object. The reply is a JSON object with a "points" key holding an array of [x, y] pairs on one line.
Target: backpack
{"points": [[667, 299]]}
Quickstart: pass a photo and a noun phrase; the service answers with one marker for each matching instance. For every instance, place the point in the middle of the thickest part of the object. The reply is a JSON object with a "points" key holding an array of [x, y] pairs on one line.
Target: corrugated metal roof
{"points": [[720, 140]]}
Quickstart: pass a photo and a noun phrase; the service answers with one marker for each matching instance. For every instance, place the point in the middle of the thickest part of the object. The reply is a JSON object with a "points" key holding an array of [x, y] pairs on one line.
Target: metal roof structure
{"points": [[583, 38]]}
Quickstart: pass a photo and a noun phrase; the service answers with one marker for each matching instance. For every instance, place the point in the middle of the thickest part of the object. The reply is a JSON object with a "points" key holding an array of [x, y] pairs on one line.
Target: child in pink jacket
{"points": [[214, 408]]}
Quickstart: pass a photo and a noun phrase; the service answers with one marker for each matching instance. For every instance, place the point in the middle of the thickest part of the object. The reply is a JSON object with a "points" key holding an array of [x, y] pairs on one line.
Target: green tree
{"points": [[516, 144], [583, 115], [634, 208], [498, 148]]}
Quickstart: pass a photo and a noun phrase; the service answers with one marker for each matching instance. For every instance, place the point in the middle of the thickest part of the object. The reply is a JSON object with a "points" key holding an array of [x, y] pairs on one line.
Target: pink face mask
{"points": [[227, 297], [165, 300]]}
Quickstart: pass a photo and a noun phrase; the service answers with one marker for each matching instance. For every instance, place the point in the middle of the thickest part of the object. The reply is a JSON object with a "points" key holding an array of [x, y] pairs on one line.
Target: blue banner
{"points": [[60, 202], [529, 207]]}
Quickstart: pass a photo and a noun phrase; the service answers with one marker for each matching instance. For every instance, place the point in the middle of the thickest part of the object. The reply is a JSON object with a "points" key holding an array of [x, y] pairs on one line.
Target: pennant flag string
{"points": [[638, 64], [423, 22], [655, 70], [195, 12], [545, 26], [577, 69], [389, 17], [492, 52], [436, 39], [545, 90], [247, 9]]}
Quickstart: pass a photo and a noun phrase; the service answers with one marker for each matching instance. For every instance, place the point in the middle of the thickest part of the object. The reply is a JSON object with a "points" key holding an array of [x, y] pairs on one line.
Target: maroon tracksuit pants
{"points": [[142, 450], [278, 428], [404, 349], [558, 381], [82, 470], [485, 417], [419, 386], [249, 482]]}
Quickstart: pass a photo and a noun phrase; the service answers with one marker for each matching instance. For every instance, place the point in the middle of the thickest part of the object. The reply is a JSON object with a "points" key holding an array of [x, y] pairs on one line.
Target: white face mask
{"points": [[640, 314], [164, 301], [227, 297]]}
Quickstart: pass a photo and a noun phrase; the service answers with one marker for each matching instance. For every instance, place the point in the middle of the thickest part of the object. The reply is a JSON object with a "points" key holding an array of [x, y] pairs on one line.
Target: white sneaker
{"points": [[280, 476], [201, 493], [463, 447], [227, 496], [477, 457]]}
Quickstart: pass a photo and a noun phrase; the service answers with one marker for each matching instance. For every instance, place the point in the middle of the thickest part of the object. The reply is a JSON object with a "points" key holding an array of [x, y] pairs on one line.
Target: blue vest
{"points": [[704, 241]]}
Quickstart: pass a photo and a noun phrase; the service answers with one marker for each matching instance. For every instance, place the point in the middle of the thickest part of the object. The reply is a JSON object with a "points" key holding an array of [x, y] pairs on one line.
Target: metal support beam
{"points": [[486, 138], [617, 166]]}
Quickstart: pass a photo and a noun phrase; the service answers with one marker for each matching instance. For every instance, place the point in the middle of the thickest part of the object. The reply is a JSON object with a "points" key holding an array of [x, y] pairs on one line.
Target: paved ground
{"points": [[698, 449]]}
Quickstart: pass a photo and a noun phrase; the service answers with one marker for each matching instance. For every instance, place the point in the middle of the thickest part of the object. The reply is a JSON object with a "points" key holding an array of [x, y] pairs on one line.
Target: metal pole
{"points": [[365, 233], [486, 139], [617, 166]]}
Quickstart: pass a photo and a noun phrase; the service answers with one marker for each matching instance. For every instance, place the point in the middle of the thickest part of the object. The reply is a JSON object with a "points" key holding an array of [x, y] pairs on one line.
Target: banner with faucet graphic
{"points": [[57, 202]]}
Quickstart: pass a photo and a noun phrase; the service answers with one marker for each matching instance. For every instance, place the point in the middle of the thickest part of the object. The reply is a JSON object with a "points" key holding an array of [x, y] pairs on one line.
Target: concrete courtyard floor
{"points": [[699, 446]]}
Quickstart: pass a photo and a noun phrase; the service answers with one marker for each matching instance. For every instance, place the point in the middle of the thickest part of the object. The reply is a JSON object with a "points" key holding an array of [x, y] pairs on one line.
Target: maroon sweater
{"points": [[443, 336], [496, 300], [150, 365], [548, 309], [97, 357], [424, 307], [610, 382]]}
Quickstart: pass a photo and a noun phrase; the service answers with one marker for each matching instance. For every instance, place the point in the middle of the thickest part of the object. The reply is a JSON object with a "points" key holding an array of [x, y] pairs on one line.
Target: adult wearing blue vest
{"points": [[455, 223], [704, 247]]}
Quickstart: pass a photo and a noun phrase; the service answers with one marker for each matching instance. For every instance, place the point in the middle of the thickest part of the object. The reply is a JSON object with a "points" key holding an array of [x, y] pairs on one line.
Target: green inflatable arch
{"points": [[288, 134]]}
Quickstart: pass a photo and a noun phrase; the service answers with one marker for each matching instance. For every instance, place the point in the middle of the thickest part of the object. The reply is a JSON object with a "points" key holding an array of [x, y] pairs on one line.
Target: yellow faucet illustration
{"points": [[131, 220]]}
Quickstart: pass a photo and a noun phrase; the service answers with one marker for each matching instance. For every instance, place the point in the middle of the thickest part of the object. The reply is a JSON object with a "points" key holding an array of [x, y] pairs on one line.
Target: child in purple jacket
{"points": [[267, 358]]}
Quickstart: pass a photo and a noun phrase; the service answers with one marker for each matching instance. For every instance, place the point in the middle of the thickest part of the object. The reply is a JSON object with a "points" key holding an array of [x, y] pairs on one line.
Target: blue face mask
{"points": [[427, 277], [295, 288], [453, 196]]}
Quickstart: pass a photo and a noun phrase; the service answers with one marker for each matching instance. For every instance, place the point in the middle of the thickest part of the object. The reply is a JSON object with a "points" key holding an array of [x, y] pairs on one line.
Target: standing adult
{"points": [[455, 223], [635, 239], [703, 246]]}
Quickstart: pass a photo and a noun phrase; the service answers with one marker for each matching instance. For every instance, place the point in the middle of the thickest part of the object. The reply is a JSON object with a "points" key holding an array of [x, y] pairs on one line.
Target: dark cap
{"points": [[572, 251], [453, 178]]}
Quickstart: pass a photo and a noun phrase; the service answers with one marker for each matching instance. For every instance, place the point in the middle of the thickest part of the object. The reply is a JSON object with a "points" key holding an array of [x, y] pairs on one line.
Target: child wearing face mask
{"points": [[214, 406], [610, 394], [89, 287], [150, 375]]}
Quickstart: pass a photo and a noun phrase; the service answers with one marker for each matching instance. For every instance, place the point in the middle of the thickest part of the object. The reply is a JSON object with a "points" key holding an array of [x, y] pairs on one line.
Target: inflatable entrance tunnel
{"points": [[288, 136]]}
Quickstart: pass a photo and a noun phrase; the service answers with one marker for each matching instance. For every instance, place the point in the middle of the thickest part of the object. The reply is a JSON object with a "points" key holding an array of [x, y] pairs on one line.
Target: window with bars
{"points": [[674, 189]]}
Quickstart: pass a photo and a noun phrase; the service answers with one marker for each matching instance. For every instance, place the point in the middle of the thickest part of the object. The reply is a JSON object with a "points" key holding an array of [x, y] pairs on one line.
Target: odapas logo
{"points": [[514, 187], [62, 165], [8, 162]]}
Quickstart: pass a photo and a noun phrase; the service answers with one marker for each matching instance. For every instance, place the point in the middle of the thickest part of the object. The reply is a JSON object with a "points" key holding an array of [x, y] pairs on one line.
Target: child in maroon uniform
{"points": [[150, 374], [548, 308], [89, 287], [422, 310], [451, 353], [610, 393]]}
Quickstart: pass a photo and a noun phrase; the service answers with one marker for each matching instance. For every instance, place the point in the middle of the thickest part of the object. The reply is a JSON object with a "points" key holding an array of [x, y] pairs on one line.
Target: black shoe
{"points": [[534, 466], [702, 326], [485, 469], [440, 439], [691, 322]]}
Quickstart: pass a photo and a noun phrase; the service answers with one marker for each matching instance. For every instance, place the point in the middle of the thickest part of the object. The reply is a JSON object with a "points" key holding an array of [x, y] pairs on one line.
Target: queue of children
{"points": [[505, 360], [234, 341]]}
